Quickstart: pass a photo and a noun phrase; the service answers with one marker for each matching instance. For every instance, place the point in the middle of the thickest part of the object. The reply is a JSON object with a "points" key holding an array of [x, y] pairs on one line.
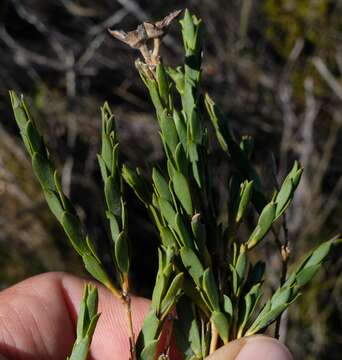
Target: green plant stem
{"points": [[126, 299], [284, 252]]}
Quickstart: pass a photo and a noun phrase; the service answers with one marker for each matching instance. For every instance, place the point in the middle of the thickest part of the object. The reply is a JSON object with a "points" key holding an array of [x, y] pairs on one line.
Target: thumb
{"points": [[254, 347]]}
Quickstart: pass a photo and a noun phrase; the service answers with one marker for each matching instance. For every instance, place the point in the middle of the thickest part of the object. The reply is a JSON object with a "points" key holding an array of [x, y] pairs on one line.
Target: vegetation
{"points": [[206, 269]]}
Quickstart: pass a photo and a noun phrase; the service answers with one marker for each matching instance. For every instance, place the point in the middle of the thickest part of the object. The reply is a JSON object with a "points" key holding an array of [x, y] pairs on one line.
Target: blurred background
{"points": [[274, 66]]}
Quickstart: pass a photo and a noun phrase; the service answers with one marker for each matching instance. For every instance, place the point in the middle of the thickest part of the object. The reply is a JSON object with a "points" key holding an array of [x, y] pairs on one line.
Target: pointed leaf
{"points": [[192, 263], [221, 323], [73, 229], [210, 288], [182, 191], [96, 269], [122, 253]]}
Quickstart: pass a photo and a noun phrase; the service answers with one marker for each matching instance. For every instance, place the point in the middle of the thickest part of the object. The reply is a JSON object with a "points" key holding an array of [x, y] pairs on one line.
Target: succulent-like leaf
{"points": [[96, 270], [220, 321], [193, 264], [161, 185], [168, 130], [210, 289], [182, 191], [163, 84], [265, 222], [122, 253], [86, 322], [245, 197]]}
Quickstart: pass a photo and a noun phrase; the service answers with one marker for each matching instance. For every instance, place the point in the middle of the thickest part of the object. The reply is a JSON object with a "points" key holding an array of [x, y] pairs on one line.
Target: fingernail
{"points": [[256, 348]]}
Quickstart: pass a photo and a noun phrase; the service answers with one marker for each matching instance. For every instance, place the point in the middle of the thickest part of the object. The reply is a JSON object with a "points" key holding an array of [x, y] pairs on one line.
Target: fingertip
{"points": [[255, 347]]}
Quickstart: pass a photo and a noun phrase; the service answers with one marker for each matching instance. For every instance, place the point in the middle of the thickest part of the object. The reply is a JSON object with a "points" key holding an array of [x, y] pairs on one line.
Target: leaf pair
{"points": [[86, 323]]}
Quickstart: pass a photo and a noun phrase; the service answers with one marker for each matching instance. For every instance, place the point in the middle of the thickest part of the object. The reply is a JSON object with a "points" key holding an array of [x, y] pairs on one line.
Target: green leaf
{"points": [[186, 330], [34, 139], [181, 159], [227, 305], [86, 322], [196, 129], [307, 274], [92, 300], [182, 191], [150, 350], [91, 247], [167, 212], [183, 231], [266, 319], [180, 127], [113, 196], [250, 302], [172, 294], [103, 168], [158, 291], [245, 197], [44, 172], [286, 192], [177, 77], [114, 226], [168, 130], [163, 83], [92, 325], [167, 237], [96, 269], [319, 254], [150, 327], [81, 349], [221, 323], [188, 28], [192, 264], [20, 114], [54, 203], [241, 264], [152, 86], [265, 222], [136, 181], [107, 151], [281, 296], [122, 253], [284, 195], [161, 185], [200, 234], [210, 288], [73, 229]]}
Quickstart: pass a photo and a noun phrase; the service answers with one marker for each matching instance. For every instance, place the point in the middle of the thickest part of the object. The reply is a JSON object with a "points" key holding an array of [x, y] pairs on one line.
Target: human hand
{"points": [[38, 318]]}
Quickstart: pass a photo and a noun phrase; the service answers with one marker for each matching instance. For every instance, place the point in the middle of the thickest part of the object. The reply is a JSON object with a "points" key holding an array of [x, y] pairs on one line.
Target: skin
{"points": [[38, 318]]}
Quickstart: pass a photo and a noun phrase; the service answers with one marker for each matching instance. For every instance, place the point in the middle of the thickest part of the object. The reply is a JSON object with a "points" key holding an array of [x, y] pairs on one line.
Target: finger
{"points": [[38, 318], [254, 347]]}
